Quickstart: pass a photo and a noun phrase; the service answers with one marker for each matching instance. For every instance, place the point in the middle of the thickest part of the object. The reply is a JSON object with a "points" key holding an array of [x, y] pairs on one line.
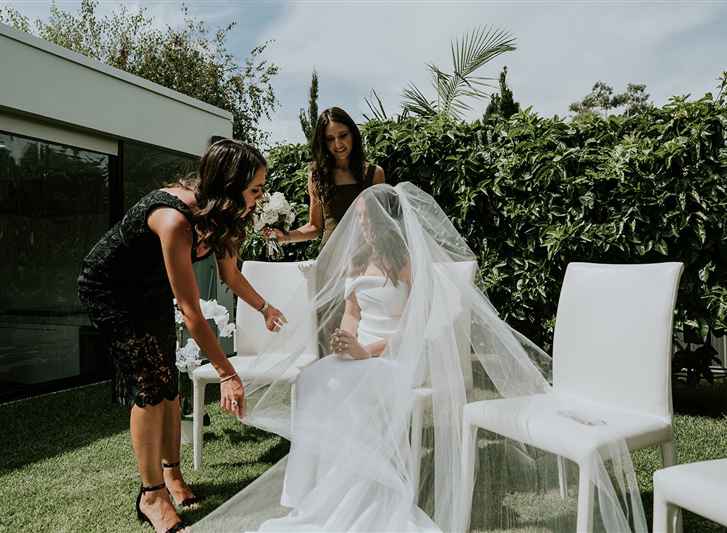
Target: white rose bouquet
{"points": [[273, 211]]}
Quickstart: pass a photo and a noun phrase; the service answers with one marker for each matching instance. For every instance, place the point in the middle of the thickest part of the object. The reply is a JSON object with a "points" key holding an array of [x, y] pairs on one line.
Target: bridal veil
{"points": [[385, 438]]}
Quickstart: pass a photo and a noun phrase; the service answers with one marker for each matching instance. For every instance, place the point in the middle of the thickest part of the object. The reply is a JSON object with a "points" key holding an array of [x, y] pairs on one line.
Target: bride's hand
{"points": [[345, 343]]}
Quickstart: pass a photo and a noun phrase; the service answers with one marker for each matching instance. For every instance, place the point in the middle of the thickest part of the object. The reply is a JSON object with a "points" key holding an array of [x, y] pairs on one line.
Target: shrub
{"points": [[531, 194]]}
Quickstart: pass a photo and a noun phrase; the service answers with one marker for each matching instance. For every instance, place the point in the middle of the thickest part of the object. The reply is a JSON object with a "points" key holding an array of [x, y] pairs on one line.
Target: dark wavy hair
{"points": [[323, 161], [226, 169], [388, 248]]}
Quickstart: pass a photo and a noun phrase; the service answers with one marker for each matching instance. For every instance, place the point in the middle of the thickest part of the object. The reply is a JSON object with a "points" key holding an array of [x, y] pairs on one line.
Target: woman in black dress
{"points": [[127, 283], [338, 173]]}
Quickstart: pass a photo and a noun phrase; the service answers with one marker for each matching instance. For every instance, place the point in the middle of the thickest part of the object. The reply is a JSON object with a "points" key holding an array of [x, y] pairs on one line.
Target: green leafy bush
{"points": [[532, 194]]}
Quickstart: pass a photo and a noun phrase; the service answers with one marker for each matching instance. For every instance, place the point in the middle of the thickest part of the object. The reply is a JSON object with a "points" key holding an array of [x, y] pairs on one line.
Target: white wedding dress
{"points": [[325, 492], [351, 464]]}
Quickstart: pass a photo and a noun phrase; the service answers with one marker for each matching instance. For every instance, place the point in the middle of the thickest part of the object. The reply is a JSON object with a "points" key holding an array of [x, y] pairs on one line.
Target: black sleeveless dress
{"points": [[124, 286], [340, 200], [334, 209]]}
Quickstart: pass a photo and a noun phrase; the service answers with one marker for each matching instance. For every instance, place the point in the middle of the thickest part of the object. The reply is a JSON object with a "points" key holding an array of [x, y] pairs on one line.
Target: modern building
{"points": [[80, 142]]}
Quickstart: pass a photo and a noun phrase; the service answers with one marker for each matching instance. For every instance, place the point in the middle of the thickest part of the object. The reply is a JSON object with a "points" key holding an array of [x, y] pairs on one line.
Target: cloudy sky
{"points": [[563, 47]]}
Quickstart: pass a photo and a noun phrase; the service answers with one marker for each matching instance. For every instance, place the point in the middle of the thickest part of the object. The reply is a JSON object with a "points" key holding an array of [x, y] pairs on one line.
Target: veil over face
{"points": [[354, 425]]}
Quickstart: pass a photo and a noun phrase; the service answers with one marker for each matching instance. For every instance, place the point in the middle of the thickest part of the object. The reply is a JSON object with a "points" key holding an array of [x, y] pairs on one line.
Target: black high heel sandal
{"points": [[187, 503], [179, 526]]}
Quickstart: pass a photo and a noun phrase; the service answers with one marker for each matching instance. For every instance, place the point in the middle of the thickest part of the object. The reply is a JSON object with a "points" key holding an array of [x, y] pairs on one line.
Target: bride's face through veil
{"points": [[382, 243]]}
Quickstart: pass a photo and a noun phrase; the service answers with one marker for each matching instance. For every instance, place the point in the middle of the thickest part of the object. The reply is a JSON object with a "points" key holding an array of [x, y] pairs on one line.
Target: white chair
{"points": [[697, 487], [463, 270], [277, 282], [611, 363]]}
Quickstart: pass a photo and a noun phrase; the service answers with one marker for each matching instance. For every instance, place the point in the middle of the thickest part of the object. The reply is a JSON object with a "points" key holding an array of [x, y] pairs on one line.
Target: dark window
{"points": [[146, 168], [54, 205]]}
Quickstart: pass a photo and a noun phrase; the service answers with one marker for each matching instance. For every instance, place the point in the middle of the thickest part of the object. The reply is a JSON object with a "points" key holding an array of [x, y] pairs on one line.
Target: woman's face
{"points": [[255, 189], [339, 140]]}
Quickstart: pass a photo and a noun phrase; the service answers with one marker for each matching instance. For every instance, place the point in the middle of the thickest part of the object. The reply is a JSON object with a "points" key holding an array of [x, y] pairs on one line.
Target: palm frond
{"points": [[478, 47], [416, 103], [377, 109]]}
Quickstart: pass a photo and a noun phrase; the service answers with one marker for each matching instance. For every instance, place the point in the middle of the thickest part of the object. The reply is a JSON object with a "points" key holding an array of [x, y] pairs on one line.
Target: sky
{"points": [[563, 48]]}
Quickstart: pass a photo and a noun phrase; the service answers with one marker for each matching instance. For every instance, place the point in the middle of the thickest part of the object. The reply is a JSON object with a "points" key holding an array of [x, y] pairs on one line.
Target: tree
{"points": [[470, 54], [308, 120], [190, 59], [502, 104], [601, 100]]}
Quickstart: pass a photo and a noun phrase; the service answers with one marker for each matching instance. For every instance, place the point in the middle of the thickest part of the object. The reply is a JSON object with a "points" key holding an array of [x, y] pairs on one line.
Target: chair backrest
{"points": [[461, 271], [285, 286], [613, 335]]}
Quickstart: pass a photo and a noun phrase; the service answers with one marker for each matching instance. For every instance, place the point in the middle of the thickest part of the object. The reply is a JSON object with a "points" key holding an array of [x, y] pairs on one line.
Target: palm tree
{"points": [[476, 49]]}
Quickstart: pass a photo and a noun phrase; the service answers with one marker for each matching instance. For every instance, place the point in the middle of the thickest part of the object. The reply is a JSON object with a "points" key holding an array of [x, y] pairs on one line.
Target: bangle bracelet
{"points": [[228, 378], [264, 307]]}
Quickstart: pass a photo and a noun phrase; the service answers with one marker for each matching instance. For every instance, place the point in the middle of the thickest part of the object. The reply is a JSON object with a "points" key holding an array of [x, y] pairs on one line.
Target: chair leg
{"points": [[585, 500], [417, 428], [469, 448], [292, 407], [198, 389], [668, 458], [562, 478], [663, 514]]}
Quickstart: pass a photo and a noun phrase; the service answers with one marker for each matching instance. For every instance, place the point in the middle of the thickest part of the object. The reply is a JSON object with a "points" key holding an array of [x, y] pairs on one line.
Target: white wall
{"points": [[44, 80]]}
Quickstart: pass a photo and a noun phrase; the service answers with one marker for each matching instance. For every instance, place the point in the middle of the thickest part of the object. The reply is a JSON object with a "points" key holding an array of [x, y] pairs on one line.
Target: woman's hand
{"points": [[275, 233], [274, 318], [343, 342], [232, 396]]}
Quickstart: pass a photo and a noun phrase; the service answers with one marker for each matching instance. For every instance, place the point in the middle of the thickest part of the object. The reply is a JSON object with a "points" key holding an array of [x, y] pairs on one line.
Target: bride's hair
{"points": [[386, 247]]}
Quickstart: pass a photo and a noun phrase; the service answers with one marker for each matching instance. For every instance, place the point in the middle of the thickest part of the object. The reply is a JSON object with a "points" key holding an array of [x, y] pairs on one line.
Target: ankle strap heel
{"points": [[143, 518], [188, 503]]}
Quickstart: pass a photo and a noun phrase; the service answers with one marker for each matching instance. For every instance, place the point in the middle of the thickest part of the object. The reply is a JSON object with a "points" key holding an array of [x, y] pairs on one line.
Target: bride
{"points": [[375, 426]]}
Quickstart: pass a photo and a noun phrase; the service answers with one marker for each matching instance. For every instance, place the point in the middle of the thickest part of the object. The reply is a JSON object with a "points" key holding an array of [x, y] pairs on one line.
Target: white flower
{"points": [[269, 217], [278, 202], [227, 330], [257, 222], [188, 356], [273, 210]]}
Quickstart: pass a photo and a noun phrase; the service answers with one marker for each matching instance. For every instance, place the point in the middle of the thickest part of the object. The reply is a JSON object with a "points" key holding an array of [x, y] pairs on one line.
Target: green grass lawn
{"points": [[66, 463]]}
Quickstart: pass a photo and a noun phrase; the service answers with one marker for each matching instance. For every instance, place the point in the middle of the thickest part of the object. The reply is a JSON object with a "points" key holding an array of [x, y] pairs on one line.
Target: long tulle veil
{"points": [[385, 436]]}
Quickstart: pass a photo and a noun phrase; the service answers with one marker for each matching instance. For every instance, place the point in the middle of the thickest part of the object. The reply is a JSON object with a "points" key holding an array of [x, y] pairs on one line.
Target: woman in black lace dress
{"points": [[128, 281]]}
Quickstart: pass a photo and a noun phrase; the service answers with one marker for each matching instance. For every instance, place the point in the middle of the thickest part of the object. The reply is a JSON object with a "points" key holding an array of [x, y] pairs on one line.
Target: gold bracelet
{"points": [[228, 378]]}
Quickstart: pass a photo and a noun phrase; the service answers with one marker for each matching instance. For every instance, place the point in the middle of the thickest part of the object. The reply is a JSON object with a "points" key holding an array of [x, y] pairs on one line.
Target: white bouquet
{"points": [[188, 355], [273, 211]]}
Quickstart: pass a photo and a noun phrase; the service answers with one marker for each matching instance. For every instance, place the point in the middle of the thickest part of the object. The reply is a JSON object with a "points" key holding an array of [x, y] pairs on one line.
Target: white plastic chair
{"points": [[697, 487], [463, 270], [277, 282], [611, 362]]}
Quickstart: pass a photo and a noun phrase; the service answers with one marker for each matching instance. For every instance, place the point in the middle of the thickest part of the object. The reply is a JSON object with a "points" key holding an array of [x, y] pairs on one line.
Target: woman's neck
{"points": [[341, 165]]}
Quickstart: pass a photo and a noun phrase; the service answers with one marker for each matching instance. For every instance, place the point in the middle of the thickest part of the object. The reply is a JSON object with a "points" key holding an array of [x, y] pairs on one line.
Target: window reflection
{"points": [[54, 204]]}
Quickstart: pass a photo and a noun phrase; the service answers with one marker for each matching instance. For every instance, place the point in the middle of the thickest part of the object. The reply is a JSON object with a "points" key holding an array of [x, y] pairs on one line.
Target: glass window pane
{"points": [[54, 205], [147, 168]]}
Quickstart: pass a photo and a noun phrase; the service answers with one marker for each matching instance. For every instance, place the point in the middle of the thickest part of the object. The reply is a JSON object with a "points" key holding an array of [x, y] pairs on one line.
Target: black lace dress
{"points": [[125, 288]]}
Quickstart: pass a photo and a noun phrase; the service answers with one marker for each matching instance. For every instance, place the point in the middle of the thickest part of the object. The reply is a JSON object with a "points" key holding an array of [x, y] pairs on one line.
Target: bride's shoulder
{"points": [[405, 273]]}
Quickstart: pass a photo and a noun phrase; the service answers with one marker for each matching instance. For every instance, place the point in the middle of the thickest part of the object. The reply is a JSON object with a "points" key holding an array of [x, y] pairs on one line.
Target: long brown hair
{"points": [[387, 250], [323, 161], [226, 169]]}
